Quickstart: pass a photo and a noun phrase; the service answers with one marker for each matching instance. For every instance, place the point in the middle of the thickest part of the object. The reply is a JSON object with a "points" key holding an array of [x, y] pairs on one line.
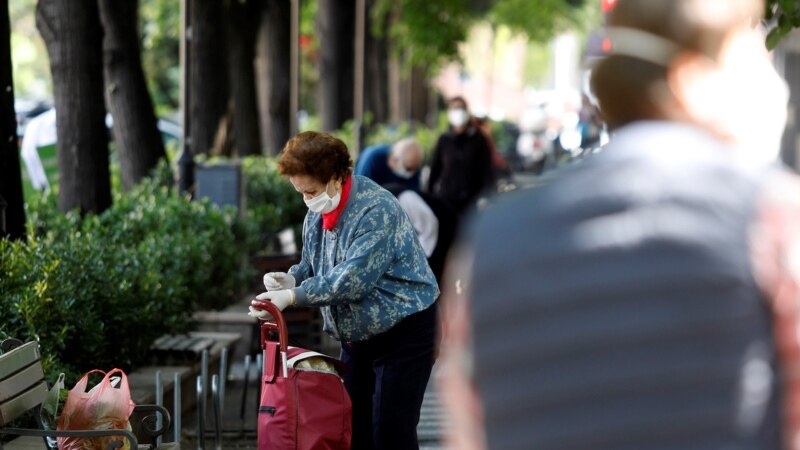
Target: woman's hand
{"points": [[281, 299], [275, 281]]}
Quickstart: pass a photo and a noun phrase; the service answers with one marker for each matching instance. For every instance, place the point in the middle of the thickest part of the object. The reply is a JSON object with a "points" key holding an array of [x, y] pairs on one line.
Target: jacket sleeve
{"points": [[368, 258], [774, 242], [436, 166]]}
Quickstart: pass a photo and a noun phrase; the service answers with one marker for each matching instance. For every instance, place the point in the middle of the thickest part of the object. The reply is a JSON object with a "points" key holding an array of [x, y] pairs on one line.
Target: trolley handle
{"points": [[279, 324]]}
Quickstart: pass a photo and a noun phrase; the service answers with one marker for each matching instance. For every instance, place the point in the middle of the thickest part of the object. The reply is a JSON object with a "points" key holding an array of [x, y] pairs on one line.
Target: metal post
{"points": [[358, 75], [201, 418], [204, 376], [223, 375], [159, 402], [176, 407], [217, 409], [244, 392], [186, 159], [294, 67]]}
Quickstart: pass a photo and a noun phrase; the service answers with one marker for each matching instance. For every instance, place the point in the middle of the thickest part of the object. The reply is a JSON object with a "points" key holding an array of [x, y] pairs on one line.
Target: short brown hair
{"points": [[318, 155], [625, 86], [458, 99]]}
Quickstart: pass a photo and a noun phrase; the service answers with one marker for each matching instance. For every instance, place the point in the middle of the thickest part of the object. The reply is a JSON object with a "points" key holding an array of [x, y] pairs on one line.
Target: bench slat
{"points": [[22, 356], [16, 406], [21, 381]]}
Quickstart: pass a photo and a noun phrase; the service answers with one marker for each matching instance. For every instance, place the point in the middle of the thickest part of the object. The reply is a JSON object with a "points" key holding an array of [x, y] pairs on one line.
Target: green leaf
{"points": [[773, 38]]}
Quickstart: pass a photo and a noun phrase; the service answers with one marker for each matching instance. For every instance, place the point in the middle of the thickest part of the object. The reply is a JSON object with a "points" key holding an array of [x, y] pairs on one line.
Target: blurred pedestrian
{"points": [[363, 266], [396, 169], [499, 163], [649, 296], [434, 221], [461, 166], [399, 163]]}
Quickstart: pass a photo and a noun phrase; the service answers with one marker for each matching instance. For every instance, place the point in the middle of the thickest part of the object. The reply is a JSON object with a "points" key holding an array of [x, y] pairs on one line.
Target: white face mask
{"points": [[402, 172], [323, 203], [457, 117]]}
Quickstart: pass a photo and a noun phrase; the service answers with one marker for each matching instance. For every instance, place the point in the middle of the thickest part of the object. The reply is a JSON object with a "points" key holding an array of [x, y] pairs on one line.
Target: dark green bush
{"points": [[272, 204], [96, 291]]}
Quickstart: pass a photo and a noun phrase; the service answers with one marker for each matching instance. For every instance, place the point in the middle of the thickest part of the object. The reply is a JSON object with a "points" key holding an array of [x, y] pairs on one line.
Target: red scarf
{"points": [[329, 219]]}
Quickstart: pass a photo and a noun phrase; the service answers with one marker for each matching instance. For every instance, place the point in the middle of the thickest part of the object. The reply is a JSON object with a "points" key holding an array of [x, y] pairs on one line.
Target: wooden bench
{"points": [[23, 388]]}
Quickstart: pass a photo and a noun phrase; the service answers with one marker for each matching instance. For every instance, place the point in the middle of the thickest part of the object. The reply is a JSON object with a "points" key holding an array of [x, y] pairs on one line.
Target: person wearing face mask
{"points": [[461, 165], [363, 266], [397, 169], [648, 297], [397, 164]]}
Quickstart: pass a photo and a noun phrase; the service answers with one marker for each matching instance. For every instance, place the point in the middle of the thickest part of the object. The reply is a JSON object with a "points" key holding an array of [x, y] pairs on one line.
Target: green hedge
{"points": [[96, 291]]}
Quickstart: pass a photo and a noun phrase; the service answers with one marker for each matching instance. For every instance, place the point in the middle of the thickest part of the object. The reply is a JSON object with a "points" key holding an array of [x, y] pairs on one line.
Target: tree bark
{"points": [[243, 19], [10, 175], [138, 141], [208, 90], [420, 93], [377, 72], [73, 36], [274, 70], [336, 25]]}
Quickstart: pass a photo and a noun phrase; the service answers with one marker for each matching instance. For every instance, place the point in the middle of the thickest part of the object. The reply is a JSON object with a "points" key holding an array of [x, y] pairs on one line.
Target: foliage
{"points": [[29, 62], [428, 32], [539, 20], [782, 17], [98, 290], [272, 204], [160, 29]]}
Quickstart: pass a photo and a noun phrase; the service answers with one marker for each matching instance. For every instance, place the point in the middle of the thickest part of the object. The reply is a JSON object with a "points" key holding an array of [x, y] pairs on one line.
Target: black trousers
{"points": [[387, 380]]}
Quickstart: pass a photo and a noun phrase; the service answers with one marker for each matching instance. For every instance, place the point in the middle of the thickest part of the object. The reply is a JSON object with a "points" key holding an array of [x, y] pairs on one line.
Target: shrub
{"points": [[98, 290], [272, 204]]}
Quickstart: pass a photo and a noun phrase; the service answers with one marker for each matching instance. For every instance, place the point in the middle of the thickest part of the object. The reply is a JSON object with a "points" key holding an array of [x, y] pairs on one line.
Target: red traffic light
{"points": [[608, 5]]}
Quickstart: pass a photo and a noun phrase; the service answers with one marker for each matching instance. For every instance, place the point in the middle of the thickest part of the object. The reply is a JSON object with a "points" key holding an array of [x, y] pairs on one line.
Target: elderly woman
{"points": [[362, 264]]}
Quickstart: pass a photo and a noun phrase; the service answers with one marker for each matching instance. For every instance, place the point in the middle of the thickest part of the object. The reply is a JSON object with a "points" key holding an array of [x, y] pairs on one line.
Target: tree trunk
{"points": [[208, 90], [274, 68], [376, 67], [243, 19], [336, 25], [73, 36], [10, 175], [420, 93], [138, 141]]}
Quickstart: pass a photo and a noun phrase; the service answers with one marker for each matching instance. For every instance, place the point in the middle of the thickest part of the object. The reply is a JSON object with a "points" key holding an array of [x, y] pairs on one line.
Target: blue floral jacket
{"points": [[367, 273]]}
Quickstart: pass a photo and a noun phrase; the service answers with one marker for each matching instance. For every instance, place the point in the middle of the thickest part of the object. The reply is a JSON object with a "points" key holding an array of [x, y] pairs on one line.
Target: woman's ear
{"points": [[690, 79]]}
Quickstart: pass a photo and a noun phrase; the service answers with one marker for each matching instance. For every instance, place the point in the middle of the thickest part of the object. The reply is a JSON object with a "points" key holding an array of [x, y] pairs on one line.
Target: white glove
{"points": [[258, 313], [281, 299], [275, 281]]}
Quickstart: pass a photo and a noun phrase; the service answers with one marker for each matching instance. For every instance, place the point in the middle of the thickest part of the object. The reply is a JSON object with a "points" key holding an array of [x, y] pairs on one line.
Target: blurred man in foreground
{"points": [[648, 296]]}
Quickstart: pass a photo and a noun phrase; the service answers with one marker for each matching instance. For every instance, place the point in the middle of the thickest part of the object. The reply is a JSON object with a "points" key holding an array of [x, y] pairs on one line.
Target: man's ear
{"points": [[689, 79]]}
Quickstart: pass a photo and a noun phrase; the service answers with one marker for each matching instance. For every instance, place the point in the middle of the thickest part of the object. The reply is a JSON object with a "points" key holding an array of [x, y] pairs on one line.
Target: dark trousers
{"points": [[386, 380]]}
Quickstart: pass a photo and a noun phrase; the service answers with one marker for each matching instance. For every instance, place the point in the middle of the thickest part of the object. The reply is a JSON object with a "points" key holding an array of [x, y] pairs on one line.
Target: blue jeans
{"points": [[387, 380]]}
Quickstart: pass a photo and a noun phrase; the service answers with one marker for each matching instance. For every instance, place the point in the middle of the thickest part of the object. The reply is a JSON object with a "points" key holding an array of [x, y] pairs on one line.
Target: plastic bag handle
{"points": [[85, 379]]}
